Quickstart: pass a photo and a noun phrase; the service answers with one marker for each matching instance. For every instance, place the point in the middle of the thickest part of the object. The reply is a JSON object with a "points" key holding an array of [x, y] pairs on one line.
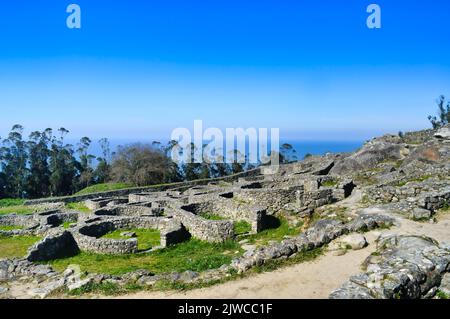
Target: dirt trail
{"points": [[315, 279]]}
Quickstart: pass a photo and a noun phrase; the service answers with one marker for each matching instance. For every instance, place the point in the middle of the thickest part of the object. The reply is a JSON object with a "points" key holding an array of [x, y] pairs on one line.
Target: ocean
{"points": [[301, 147]]}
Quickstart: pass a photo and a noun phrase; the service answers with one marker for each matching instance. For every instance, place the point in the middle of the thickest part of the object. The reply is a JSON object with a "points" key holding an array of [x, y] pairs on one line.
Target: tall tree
{"points": [[443, 117], [63, 179], [102, 172], [14, 163], [84, 165], [38, 182]]}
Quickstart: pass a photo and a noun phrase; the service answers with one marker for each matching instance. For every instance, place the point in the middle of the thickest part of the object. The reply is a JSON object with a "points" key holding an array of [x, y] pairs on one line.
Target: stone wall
{"points": [[436, 200], [94, 204], [126, 210], [53, 247], [87, 239], [58, 219], [208, 230], [273, 199], [128, 191], [26, 221], [88, 236]]}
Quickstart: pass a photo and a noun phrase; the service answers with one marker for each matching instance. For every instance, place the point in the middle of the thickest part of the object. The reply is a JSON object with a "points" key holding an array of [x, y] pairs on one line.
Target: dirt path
{"points": [[315, 279]]}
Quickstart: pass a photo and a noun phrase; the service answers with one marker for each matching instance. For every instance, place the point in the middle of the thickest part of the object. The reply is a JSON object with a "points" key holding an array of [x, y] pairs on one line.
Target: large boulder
{"points": [[404, 267], [371, 154], [443, 133]]}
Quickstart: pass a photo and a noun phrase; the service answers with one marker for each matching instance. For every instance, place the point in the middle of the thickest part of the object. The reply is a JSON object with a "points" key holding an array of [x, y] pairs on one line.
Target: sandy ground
{"points": [[312, 280]]}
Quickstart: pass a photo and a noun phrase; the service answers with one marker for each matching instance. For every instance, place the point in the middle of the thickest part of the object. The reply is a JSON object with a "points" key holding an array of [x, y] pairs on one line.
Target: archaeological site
{"points": [[377, 218]]}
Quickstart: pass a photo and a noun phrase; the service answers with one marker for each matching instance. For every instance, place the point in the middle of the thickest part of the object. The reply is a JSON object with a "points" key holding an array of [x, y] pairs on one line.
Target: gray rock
{"points": [[80, 284], [148, 280], [188, 276], [420, 214], [128, 234], [3, 290], [4, 271], [445, 284], [443, 133], [406, 267], [355, 241]]}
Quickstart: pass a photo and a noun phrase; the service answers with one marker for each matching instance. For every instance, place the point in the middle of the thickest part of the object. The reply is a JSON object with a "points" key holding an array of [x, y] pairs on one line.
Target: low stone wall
{"points": [[94, 204], [273, 199], [128, 191], [208, 230], [88, 236], [53, 247], [171, 231], [436, 200], [58, 219], [87, 239], [315, 199], [28, 222], [18, 220], [127, 210], [388, 193], [229, 208], [321, 233]]}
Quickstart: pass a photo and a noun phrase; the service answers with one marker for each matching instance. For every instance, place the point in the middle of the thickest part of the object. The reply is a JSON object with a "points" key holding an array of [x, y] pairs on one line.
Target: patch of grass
{"points": [[211, 216], [98, 188], [192, 255], [9, 228], [416, 180], [329, 184], [105, 288], [242, 227], [19, 210], [233, 275], [16, 246], [300, 257], [276, 233], [66, 225], [147, 238], [442, 295], [81, 207], [8, 202]]}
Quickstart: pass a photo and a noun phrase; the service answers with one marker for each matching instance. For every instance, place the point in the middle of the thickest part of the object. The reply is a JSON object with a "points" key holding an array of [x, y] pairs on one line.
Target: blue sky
{"points": [[137, 70]]}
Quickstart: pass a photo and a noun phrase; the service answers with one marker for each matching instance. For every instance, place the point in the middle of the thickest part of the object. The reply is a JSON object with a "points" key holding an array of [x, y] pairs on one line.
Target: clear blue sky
{"points": [[138, 69]]}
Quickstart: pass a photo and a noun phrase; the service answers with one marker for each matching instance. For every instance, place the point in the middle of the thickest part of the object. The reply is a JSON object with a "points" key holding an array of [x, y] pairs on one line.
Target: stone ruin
{"points": [[401, 177]]}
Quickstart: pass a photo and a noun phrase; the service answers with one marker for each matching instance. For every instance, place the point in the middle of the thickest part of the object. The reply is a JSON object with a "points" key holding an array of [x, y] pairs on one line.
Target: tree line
{"points": [[44, 164]]}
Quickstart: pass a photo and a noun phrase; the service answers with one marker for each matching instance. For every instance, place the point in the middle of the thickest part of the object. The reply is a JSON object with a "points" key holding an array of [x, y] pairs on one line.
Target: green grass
{"points": [[211, 216], [98, 188], [16, 246], [268, 266], [78, 207], [274, 234], [111, 289], [9, 228], [8, 202], [242, 227], [329, 183], [66, 225], [192, 255], [147, 238], [20, 210], [442, 295], [417, 180]]}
